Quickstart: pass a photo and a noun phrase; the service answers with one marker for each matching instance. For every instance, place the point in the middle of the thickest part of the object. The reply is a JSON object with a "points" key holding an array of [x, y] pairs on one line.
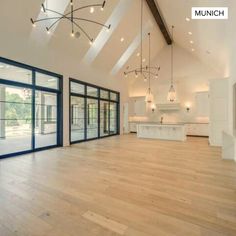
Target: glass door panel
{"points": [[15, 119], [104, 118], [92, 118], [113, 118], [45, 119], [77, 119]]}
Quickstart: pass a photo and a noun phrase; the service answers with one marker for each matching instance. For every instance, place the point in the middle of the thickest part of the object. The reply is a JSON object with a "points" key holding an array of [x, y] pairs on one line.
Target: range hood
{"points": [[168, 106]]}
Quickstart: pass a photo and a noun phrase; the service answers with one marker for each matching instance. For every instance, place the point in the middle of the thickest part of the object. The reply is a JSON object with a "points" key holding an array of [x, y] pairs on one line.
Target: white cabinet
{"points": [[197, 129], [164, 132], [132, 127], [202, 104], [218, 110], [137, 106]]}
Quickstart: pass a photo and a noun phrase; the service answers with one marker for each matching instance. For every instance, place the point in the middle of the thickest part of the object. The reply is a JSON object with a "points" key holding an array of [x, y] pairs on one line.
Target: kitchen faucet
{"points": [[162, 118]]}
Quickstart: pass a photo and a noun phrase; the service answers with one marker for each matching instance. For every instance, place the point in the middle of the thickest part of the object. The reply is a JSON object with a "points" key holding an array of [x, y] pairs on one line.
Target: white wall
{"points": [[190, 76], [20, 48], [232, 81]]}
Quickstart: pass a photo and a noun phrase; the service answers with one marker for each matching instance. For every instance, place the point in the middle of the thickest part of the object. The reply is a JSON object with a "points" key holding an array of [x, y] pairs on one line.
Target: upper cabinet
{"points": [[137, 106], [202, 104], [219, 92]]}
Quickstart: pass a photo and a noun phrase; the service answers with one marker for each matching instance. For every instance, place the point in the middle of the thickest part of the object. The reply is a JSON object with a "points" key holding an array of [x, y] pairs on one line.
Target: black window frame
{"points": [[98, 98], [34, 88]]}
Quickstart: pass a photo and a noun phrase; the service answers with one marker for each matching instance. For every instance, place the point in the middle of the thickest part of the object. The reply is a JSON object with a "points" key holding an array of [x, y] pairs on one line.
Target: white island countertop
{"points": [[166, 131]]}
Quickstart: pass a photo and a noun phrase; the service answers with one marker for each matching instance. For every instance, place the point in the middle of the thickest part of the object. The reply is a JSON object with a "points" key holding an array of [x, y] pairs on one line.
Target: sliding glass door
{"points": [[30, 103], [45, 119], [92, 118], [77, 111], [104, 118], [94, 112], [113, 118], [15, 119]]}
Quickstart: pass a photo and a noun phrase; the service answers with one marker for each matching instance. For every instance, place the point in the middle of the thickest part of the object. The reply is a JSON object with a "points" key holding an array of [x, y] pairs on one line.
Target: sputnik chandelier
{"points": [[146, 72], [70, 16]]}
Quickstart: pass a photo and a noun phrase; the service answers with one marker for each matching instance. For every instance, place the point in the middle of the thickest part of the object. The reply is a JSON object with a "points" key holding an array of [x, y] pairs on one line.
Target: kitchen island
{"points": [[175, 132]]}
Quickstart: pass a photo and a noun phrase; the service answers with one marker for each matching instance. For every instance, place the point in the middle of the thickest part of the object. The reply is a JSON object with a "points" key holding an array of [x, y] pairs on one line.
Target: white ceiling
{"points": [[211, 38]]}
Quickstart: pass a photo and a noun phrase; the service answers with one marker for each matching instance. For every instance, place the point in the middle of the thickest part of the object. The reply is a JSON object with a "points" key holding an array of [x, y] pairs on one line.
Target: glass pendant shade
{"points": [[171, 94], [149, 97]]}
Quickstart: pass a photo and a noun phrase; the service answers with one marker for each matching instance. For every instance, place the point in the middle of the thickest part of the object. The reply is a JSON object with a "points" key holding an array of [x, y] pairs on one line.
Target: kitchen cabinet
{"points": [[175, 132], [202, 104], [219, 90], [132, 127], [197, 129]]}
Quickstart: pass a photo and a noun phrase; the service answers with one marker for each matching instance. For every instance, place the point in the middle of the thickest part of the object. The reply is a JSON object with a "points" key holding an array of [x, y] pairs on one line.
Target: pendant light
{"points": [[142, 71], [149, 96], [172, 93]]}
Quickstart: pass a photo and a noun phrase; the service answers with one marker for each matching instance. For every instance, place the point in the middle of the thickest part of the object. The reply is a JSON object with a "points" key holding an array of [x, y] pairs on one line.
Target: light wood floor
{"points": [[119, 186]]}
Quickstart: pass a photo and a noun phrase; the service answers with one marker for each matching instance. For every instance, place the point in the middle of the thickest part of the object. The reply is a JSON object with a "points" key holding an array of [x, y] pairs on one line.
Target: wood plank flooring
{"points": [[119, 186]]}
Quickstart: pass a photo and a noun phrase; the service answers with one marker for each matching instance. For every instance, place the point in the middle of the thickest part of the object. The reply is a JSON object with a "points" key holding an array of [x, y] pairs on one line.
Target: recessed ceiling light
{"points": [[138, 54], [122, 39], [144, 59], [190, 33], [187, 19], [191, 42], [192, 49], [91, 9]]}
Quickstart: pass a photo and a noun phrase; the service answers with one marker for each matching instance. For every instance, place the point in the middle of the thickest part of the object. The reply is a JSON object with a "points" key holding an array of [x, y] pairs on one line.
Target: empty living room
{"points": [[118, 118]]}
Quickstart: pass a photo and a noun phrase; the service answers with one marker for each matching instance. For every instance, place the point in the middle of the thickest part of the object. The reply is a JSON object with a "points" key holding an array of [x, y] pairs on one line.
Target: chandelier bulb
{"points": [[48, 31], [92, 10], [103, 5], [33, 23]]}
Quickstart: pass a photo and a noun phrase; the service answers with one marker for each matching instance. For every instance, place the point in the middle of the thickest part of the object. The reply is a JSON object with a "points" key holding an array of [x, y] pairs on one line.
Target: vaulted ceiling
{"points": [[211, 39]]}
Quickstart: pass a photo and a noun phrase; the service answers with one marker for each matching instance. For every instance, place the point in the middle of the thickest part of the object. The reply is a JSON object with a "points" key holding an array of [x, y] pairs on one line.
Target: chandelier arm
{"points": [[72, 18], [69, 19], [56, 12], [151, 73], [45, 19], [62, 17], [132, 71], [144, 76], [154, 68], [87, 6], [85, 33], [91, 21], [58, 21]]}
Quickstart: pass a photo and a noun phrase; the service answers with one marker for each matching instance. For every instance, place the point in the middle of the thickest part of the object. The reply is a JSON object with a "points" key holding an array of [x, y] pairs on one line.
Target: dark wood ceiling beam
{"points": [[160, 20]]}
